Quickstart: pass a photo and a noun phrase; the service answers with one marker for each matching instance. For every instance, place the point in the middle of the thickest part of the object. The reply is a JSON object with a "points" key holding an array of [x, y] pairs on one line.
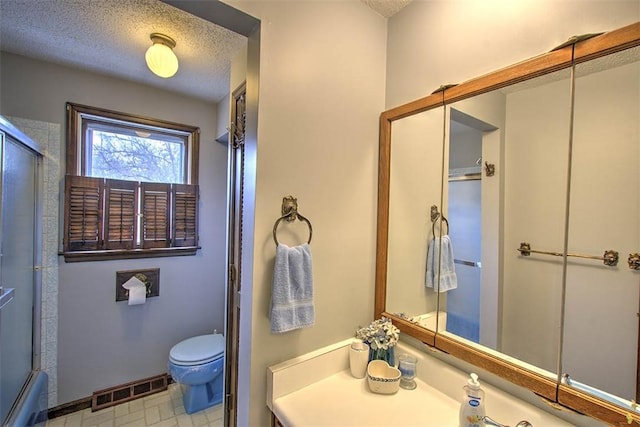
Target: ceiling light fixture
{"points": [[160, 57]]}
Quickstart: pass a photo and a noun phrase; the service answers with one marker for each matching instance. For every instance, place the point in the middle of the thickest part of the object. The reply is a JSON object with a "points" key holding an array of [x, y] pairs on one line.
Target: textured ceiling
{"points": [[386, 8], [111, 36]]}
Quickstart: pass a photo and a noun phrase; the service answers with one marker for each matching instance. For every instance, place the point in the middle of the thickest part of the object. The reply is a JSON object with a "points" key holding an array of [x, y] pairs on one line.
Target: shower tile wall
{"points": [[47, 136]]}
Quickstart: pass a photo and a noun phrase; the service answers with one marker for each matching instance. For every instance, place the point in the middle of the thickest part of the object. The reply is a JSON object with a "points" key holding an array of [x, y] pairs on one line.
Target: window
{"points": [[131, 188]]}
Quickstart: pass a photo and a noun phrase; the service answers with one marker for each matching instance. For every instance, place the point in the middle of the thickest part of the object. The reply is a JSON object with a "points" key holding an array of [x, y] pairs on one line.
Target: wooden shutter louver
{"points": [[108, 219], [185, 215], [83, 231], [120, 219], [155, 215]]}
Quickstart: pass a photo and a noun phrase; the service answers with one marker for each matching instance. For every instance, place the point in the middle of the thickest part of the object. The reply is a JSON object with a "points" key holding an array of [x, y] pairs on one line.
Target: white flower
{"points": [[380, 334]]}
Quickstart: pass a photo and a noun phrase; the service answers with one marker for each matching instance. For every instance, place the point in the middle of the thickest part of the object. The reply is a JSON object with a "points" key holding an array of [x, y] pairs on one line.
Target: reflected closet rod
{"points": [[609, 258], [468, 263]]}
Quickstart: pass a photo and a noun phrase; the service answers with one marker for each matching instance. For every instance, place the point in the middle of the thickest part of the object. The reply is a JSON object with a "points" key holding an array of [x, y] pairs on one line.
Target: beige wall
{"points": [[437, 42], [321, 92]]}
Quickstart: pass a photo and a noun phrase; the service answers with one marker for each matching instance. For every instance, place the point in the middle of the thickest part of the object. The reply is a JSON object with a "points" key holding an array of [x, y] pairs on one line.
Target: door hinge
{"points": [[228, 402], [232, 273]]}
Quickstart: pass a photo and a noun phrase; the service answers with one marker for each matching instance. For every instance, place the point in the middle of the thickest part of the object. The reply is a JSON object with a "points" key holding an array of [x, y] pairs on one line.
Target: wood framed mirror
{"points": [[554, 92]]}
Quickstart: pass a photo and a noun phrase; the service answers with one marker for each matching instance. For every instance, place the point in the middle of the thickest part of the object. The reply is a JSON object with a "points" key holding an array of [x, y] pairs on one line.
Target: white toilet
{"points": [[198, 363]]}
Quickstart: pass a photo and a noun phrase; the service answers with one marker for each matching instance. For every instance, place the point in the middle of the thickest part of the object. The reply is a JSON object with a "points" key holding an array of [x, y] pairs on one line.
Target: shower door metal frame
{"points": [[8, 130]]}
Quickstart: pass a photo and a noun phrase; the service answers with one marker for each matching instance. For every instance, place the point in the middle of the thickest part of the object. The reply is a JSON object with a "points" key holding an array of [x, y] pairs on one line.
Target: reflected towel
{"points": [[447, 274], [292, 289]]}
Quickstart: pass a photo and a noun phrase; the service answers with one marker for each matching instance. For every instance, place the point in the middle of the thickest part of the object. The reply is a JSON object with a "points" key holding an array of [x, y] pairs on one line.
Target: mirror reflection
{"points": [[414, 185], [536, 234], [506, 184], [600, 345]]}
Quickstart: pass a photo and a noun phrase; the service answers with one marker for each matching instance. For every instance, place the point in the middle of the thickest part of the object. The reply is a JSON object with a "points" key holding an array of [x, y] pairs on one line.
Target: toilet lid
{"points": [[197, 350]]}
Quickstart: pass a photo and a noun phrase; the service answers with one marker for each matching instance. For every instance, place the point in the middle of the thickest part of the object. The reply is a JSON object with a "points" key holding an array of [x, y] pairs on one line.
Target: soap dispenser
{"points": [[472, 410]]}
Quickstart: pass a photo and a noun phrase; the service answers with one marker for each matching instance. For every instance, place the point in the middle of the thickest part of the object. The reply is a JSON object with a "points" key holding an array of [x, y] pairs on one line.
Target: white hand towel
{"points": [[447, 274], [292, 289], [432, 267]]}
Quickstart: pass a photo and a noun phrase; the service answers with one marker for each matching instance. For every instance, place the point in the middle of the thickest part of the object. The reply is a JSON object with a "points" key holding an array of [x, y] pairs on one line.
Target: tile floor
{"points": [[164, 409]]}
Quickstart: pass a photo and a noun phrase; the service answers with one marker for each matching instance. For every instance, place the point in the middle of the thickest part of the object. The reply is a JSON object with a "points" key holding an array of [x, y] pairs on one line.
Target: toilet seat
{"points": [[197, 350]]}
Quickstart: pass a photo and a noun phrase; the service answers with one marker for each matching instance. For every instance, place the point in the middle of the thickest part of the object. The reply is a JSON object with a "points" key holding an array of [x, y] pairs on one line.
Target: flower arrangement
{"points": [[380, 334]]}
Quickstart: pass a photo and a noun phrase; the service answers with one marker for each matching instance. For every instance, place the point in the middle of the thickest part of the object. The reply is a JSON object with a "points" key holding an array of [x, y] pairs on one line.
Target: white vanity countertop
{"points": [[317, 389], [346, 401]]}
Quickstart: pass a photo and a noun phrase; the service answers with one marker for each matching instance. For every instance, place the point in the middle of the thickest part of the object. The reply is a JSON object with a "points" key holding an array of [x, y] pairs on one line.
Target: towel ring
{"points": [[434, 217], [290, 216], [433, 227]]}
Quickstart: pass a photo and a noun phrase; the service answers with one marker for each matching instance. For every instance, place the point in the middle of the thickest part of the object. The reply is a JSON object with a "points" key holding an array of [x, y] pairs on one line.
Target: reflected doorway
{"points": [[463, 303], [465, 218], [473, 308]]}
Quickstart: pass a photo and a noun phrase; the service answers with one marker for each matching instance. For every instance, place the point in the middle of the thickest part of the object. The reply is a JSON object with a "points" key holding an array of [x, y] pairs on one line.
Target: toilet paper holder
{"points": [[150, 277]]}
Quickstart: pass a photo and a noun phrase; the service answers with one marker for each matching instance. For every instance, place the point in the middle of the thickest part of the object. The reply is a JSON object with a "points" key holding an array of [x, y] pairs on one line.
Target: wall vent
{"points": [[123, 393]]}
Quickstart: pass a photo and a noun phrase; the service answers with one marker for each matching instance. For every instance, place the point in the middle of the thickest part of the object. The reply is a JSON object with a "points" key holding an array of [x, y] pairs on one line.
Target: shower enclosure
{"points": [[22, 387]]}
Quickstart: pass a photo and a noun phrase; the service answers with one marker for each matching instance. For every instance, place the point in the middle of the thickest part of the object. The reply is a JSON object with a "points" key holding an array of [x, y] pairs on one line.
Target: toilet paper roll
{"points": [[137, 291]]}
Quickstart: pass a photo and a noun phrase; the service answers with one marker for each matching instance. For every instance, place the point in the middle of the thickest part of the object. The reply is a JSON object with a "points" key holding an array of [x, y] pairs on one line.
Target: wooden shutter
{"points": [[120, 214], [185, 215], [83, 219], [155, 215]]}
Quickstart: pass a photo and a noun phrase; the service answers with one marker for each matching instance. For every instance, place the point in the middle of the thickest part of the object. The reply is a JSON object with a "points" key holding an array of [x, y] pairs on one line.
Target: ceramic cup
{"points": [[358, 358]]}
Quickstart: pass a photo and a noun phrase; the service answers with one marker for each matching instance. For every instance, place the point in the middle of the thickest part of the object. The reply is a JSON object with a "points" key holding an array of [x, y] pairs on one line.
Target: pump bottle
{"points": [[472, 410]]}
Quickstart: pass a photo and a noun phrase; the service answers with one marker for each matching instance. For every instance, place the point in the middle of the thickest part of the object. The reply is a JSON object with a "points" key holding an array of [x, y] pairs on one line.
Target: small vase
{"points": [[387, 355]]}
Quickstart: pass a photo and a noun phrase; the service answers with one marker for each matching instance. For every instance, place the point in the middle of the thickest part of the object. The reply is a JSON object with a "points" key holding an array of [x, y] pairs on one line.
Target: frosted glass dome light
{"points": [[160, 57]]}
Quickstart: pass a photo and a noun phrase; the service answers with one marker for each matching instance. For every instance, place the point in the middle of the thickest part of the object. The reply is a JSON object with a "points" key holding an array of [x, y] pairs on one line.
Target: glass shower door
{"points": [[17, 245], [463, 303]]}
